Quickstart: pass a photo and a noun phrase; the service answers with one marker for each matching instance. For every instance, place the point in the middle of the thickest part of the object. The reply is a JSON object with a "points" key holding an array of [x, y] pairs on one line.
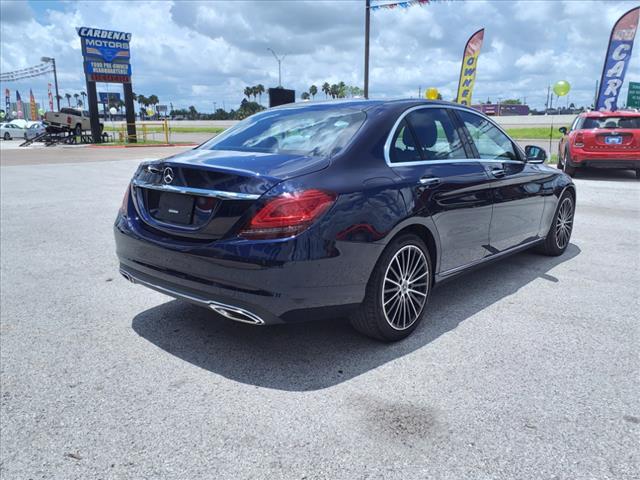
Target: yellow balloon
{"points": [[561, 88], [150, 111], [431, 93]]}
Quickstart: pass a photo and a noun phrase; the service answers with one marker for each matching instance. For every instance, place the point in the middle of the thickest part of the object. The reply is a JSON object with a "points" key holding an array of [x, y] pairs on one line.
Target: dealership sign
{"points": [[106, 55], [617, 60]]}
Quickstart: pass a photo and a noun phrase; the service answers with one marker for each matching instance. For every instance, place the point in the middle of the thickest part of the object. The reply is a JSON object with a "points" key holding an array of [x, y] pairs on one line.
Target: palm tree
{"points": [[260, 88], [334, 90], [247, 92], [58, 98], [84, 94], [68, 97], [313, 90], [342, 90], [254, 92], [305, 96], [326, 88], [75, 95], [153, 100]]}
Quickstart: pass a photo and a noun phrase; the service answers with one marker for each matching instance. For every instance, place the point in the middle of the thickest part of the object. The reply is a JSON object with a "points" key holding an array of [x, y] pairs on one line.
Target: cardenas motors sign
{"points": [[106, 55]]}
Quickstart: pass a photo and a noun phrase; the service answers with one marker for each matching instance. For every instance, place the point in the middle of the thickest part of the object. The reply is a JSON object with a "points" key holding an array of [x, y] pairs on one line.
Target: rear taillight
{"points": [[579, 140], [288, 214], [125, 201]]}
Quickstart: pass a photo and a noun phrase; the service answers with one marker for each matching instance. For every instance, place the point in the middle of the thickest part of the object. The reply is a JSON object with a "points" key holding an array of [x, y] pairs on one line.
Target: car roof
{"points": [[364, 104], [617, 113]]}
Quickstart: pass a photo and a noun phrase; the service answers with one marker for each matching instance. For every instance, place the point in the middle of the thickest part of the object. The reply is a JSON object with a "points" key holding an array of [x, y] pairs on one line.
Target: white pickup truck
{"points": [[68, 119]]}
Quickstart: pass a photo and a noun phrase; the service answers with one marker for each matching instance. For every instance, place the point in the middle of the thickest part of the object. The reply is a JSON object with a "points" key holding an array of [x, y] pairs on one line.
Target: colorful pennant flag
{"points": [[405, 4]]}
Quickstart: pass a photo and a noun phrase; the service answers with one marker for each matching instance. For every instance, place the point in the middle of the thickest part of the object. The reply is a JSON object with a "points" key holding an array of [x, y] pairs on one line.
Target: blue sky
{"points": [[201, 52]]}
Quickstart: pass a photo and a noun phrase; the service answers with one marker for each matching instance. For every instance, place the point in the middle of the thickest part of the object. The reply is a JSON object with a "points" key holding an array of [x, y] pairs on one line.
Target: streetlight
{"points": [[279, 60], [55, 76]]}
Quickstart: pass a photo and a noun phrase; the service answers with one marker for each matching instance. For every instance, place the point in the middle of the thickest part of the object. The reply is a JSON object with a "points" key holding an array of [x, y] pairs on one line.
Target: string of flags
{"points": [[404, 4]]}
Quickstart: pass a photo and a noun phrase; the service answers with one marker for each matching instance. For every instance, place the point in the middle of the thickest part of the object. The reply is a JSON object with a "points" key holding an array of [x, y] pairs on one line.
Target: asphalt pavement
{"points": [[526, 369]]}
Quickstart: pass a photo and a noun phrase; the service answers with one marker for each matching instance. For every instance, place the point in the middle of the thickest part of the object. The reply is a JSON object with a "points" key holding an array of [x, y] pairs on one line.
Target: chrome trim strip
{"points": [[229, 311], [196, 191], [452, 271], [387, 143]]}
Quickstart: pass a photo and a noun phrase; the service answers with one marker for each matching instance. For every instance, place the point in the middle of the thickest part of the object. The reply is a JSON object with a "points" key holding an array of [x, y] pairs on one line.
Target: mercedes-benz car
{"points": [[601, 140], [355, 208]]}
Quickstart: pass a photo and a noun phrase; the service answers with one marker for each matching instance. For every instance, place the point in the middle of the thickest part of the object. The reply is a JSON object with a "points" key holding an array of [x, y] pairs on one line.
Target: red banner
{"points": [[50, 98], [32, 104]]}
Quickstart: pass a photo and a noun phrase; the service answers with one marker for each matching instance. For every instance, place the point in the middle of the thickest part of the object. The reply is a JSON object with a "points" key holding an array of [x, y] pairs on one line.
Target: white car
{"points": [[35, 129], [10, 131]]}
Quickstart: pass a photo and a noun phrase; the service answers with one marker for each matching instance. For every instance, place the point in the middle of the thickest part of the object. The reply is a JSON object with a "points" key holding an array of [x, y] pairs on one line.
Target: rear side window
{"points": [[489, 140], [403, 146], [436, 134]]}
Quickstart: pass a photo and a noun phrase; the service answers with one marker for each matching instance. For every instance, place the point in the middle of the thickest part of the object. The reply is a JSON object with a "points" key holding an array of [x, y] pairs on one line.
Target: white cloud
{"points": [[197, 53]]}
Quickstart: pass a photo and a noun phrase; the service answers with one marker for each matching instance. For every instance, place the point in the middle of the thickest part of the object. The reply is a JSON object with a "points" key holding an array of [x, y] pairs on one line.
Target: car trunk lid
{"points": [[201, 194]]}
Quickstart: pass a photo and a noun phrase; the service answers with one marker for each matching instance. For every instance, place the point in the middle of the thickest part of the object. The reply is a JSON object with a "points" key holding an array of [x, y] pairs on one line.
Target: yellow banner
{"points": [[469, 67]]}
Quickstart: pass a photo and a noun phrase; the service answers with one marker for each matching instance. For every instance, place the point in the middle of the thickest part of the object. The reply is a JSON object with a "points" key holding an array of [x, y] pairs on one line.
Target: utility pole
{"points": [[419, 91], [367, 21], [279, 60], [595, 97], [55, 76], [546, 103]]}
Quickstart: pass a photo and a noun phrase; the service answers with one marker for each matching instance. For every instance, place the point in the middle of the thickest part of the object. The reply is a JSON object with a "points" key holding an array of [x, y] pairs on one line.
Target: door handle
{"points": [[429, 181], [498, 172]]}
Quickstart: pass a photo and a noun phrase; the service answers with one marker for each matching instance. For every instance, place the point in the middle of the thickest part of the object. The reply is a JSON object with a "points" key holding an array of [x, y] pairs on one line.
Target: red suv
{"points": [[601, 140]]}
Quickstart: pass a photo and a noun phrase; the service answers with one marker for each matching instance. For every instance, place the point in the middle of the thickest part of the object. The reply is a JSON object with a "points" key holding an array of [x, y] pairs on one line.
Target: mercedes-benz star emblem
{"points": [[167, 175]]}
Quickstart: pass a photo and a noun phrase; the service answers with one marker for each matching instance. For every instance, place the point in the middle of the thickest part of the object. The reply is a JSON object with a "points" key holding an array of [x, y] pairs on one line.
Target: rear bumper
{"points": [[266, 282], [617, 160]]}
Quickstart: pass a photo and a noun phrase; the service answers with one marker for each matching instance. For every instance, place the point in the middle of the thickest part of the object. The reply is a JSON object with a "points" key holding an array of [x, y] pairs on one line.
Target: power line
{"points": [[29, 72]]}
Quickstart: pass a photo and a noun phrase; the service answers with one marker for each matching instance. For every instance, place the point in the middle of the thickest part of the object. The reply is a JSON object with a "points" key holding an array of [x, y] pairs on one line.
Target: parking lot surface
{"points": [[526, 369]]}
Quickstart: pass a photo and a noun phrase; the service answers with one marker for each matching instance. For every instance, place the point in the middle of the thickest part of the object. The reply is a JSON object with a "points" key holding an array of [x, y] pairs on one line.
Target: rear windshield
{"points": [[612, 122], [299, 131], [70, 111]]}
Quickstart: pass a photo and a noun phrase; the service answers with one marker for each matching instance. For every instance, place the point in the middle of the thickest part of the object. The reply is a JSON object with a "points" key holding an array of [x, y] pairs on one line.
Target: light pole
{"points": [[367, 24], [279, 60], [55, 76]]}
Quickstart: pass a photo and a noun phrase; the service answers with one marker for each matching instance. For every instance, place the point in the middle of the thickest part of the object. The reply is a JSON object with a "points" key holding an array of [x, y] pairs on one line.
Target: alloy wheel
{"points": [[564, 223], [405, 287]]}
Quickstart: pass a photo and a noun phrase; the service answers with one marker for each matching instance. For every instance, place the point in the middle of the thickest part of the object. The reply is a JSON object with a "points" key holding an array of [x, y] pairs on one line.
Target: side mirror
{"points": [[563, 130], [535, 154]]}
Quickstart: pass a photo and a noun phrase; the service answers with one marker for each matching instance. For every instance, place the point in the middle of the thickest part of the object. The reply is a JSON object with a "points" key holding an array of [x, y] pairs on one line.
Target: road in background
{"points": [[524, 369]]}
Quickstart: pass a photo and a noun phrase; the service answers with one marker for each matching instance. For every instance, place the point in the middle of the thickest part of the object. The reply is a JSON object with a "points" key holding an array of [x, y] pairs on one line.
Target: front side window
{"points": [[436, 134], [298, 131], [490, 142]]}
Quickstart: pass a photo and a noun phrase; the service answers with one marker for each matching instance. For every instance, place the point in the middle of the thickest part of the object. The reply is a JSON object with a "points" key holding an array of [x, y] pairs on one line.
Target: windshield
{"points": [[612, 122], [299, 131]]}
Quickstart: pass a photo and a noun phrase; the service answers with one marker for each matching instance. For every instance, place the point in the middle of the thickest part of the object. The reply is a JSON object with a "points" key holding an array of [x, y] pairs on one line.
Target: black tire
{"points": [[371, 317], [566, 167], [556, 243], [560, 164], [7, 136], [78, 130]]}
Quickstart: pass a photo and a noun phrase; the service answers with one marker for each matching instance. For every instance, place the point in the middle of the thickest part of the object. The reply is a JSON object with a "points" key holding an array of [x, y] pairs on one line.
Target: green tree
{"points": [[313, 90], [334, 90], [511, 101], [342, 90], [248, 91], [261, 90], [326, 89], [68, 97], [305, 96], [84, 94], [76, 96], [193, 113]]}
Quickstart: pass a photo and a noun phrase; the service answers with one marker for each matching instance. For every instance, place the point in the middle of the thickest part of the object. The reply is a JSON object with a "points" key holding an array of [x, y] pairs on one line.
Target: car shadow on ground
{"points": [[604, 174], [317, 355]]}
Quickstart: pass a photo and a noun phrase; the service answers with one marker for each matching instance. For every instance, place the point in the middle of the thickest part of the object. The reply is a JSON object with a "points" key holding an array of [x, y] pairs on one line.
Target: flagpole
{"points": [[367, 22]]}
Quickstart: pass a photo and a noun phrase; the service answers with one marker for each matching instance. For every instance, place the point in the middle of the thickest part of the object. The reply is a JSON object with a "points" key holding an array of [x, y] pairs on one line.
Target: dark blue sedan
{"points": [[351, 208]]}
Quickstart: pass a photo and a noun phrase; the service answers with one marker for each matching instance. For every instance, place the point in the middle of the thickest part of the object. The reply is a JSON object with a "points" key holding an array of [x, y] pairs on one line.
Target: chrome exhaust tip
{"points": [[236, 314], [127, 276]]}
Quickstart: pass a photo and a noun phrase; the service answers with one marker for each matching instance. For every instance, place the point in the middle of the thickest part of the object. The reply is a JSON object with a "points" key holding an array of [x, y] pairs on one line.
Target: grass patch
{"points": [[143, 143], [535, 133], [158, 129]]}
